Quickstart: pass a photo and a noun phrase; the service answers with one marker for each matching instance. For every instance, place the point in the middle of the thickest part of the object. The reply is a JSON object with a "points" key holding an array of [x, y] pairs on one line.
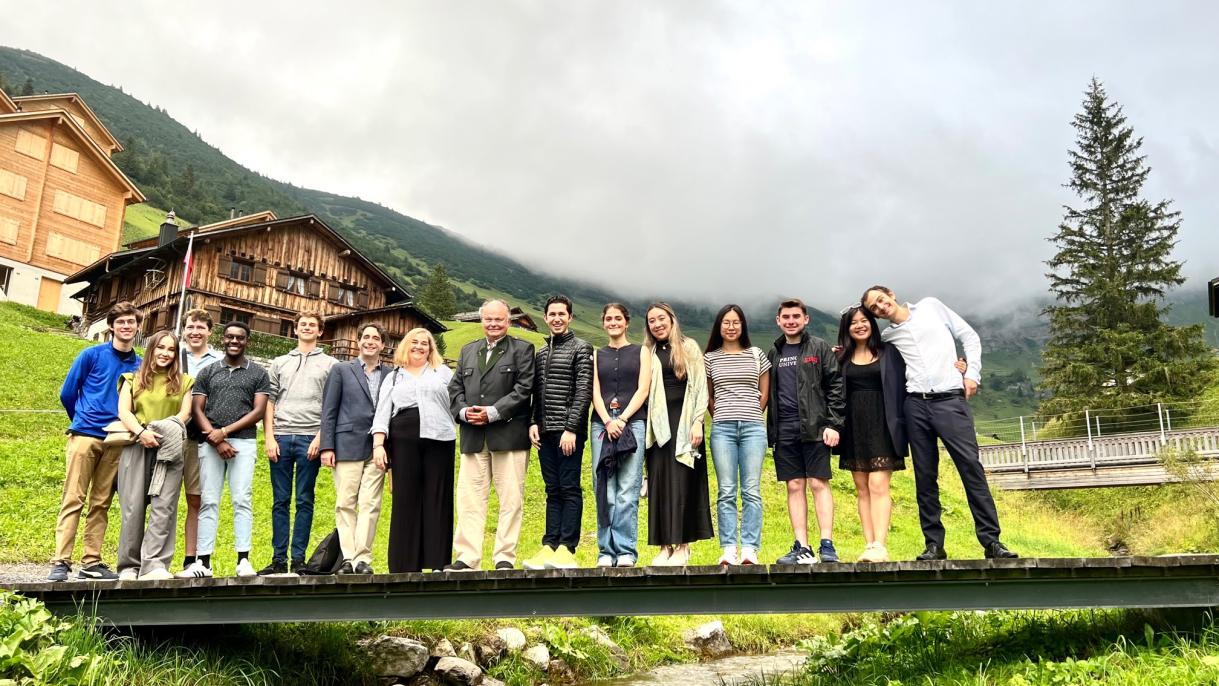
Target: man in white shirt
{"points": [[197, 353], [926, 334]]}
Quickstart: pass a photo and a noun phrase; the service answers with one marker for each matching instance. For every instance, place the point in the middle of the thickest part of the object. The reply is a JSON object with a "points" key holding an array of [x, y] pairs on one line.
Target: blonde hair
{"points": [[677, 341], [402, 352]]}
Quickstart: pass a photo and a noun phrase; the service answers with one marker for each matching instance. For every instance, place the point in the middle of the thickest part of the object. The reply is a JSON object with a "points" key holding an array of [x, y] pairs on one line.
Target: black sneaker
{"points": [[826, 552], [800, 554], [502, 565], [297, 565], [998, 551], [933, 551], [458, 566], [346, 568], [276, 567], [60, 571], [363, 568], [97, 572]]}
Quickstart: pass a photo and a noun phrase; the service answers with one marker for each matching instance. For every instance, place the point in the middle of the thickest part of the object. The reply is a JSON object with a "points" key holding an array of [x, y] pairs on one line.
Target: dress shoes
{"points": [[997, 551], [933, 551]]}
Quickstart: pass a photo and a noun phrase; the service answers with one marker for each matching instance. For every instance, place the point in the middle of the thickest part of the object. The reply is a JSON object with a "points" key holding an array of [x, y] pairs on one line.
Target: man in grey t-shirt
{"points": [[292, 423]]}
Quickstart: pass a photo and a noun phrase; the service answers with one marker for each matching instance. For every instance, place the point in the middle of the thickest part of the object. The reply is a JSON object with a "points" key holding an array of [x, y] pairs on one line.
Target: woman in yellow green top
{"points": [[154, 405]]}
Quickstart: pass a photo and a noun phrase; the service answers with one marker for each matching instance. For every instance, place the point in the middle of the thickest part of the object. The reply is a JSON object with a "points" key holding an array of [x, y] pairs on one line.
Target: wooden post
{"points": [[1168, 417], [1024, 451], [1160, 412], [1098, 427], [1091, 448]]}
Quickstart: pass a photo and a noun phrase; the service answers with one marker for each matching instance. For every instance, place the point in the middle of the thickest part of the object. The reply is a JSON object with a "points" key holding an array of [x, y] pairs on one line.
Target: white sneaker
{"points": [[196, 570], [729, 557], [159, 574], [605, 560], [129, 574], [625, 561], [244, 568], [749, 556]]}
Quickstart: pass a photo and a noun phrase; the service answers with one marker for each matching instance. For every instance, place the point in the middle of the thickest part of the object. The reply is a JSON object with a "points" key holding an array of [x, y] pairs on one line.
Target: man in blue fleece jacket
{"points": [[90, 396]]}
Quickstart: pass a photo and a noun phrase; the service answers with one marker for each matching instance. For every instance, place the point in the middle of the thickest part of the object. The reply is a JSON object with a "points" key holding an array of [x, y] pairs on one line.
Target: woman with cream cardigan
{"points": [[679, 504]]}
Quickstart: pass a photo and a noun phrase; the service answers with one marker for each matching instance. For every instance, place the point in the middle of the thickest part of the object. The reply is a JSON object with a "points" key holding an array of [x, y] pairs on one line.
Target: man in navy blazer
{"points": [[349, 401]]}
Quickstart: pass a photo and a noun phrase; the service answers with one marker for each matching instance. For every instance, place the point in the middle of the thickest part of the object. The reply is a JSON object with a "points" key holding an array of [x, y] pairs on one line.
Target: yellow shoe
{"points": [[562, 559], [541, 560]]}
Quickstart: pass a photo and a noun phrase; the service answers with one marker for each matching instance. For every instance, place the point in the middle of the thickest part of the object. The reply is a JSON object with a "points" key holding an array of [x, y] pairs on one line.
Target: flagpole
{"points": [[187, 268]]}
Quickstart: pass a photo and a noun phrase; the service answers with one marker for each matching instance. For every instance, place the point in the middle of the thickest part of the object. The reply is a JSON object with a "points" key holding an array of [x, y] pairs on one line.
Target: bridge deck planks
{"points": [[1027, 583]]}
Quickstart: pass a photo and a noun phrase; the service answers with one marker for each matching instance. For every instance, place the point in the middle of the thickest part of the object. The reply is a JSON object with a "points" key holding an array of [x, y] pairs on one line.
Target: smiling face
{"points": [[495, 320], [125, 328], [195, 334], [234, 341], [881, 304], [558, 318], [730, 326], [419, 349], [860, 328], [165, 353], [614, 322], [792, 321], [308, 329], [371, 344], [660, 324]]}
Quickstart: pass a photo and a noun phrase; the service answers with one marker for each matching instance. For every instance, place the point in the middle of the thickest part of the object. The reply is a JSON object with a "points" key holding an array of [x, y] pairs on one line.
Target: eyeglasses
{"points": [[848, 308]]}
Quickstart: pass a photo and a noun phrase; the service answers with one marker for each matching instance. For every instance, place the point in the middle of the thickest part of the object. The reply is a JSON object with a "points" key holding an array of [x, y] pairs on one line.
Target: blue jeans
{"points": [[737, 449], [239, 470], [619, 538], [293, 458]]}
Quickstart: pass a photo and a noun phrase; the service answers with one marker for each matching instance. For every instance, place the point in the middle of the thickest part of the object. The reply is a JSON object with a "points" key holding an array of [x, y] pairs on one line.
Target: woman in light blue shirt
{"points": [[413, 413]]}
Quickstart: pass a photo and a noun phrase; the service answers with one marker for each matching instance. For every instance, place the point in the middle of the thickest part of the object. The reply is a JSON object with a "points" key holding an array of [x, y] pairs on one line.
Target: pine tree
{"points": [[437, 297], [1109, 346]]}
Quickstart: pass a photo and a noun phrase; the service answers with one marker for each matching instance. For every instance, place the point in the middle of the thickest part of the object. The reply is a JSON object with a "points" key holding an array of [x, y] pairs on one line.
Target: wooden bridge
{"points": [[1027, 583], [1131, 459]]}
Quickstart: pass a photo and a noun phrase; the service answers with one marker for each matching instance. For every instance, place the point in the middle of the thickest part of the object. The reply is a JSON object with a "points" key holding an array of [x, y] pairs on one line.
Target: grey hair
{"points": [[493, 301]]}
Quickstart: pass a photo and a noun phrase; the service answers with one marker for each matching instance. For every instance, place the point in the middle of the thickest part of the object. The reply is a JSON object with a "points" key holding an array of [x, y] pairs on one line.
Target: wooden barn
{"points": [[62, 199], [257, 269]]}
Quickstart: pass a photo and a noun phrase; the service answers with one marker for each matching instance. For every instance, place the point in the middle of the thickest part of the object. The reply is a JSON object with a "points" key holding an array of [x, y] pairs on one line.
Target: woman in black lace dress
{"points": [[873, 443]]}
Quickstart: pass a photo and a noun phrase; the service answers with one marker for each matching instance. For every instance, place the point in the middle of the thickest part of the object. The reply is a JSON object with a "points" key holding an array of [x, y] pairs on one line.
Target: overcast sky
{"points": [[702, 150]]}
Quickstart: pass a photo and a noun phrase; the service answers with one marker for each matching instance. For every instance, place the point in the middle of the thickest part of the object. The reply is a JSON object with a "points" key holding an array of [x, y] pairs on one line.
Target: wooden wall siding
{"points": [[36, 219], [73, 108], [90, 182], [295, 250]]}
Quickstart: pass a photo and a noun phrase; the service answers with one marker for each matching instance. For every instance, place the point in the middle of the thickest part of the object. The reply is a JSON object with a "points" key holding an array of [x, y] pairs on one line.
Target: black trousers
{"points": [[951, 421], [564, 497], [421, 521]]}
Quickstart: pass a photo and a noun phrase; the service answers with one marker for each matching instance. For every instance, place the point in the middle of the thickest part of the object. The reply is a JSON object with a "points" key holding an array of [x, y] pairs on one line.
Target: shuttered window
{"points": [[30, 143], [64, 157], [72, 250], [78, 208], [8, 230], [12, 185]]}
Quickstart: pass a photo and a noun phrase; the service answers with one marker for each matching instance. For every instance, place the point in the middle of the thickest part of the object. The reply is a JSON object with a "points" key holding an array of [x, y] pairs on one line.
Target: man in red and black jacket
{"points": [[807, 402]]}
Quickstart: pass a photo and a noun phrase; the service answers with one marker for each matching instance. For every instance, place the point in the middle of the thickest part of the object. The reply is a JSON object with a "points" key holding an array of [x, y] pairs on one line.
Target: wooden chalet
{"points": [[519, 318], [62, 199], [257, 269]]}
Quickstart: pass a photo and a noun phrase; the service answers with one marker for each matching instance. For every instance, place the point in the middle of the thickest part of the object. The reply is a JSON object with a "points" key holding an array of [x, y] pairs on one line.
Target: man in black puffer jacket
{"points": [[561, 397]]}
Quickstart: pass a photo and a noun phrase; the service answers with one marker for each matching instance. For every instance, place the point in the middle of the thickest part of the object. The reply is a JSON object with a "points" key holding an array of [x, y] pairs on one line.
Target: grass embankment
{"points": [[32, 365], [144, 221]]}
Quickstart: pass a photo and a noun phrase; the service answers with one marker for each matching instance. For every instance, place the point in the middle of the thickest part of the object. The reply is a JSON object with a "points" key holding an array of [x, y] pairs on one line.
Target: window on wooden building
{"points": [[79, 208], [12, 185], [9, 228], [228, 315], [241, 270], [342, 295], [64, 157], [72, 250], [6, 275], [31, 144], [290, 282], [286, 327]]}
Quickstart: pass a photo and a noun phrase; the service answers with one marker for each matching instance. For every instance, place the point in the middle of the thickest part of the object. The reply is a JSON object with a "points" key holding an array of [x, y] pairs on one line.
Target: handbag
{"points": [[117, 435]]}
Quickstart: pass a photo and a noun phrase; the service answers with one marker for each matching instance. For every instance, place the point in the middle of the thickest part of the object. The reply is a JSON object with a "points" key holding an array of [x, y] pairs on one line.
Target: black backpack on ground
{"points": [[327, 557]]}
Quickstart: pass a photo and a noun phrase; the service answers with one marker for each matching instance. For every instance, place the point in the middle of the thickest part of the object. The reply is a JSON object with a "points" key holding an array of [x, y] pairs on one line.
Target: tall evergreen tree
{"points": [[437, 296], [1109, 346]]}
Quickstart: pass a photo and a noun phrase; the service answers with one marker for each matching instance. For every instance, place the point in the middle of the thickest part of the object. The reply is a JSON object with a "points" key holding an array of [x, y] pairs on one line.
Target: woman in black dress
{"points": [[873, 443], [679, 501]]}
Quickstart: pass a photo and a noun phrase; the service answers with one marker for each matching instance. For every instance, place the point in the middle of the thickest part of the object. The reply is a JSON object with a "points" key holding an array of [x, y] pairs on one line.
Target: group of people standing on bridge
{"points": [[184, 418]]}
